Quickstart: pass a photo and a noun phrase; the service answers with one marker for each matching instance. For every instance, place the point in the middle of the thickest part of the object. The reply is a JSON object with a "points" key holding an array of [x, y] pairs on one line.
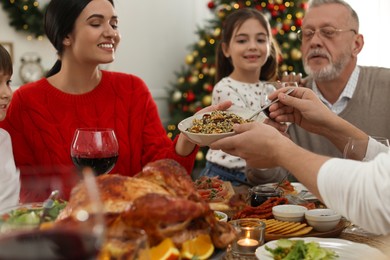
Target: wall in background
{"points": [[156, 36], [155, 40], [374, 25]]}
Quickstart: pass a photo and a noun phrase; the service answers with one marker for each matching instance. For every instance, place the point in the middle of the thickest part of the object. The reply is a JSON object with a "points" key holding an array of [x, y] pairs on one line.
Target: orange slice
{"points": [[166, 250], [200, 248]]}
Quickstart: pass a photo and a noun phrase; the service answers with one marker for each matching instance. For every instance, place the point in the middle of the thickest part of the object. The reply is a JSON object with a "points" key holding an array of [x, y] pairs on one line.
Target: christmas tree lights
{"points": [[193, 88]]}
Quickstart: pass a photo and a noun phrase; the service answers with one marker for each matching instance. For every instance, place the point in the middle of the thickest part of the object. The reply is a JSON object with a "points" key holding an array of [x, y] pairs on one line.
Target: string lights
{"points": [[25, 16]]}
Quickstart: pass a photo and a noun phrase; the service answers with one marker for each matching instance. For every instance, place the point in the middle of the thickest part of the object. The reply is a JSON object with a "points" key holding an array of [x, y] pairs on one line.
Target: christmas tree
{"points": [[26, 16], [195, 81]]}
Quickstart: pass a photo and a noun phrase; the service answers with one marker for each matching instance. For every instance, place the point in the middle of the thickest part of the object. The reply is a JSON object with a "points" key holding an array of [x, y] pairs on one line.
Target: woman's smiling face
{"points": [[95, 36]]}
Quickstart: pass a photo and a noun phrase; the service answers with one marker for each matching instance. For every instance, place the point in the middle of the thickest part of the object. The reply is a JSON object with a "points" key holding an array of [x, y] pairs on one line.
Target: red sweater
{"points": [[42, 119]]}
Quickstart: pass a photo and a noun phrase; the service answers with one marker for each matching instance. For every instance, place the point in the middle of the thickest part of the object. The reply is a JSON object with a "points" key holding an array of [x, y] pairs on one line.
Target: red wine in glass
{"points": [[99, 165], [96, 148]]}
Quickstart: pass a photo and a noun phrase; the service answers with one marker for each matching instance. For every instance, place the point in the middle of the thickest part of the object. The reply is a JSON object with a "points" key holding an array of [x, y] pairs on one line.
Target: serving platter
{"points": [[313, 233], [346, 250], [25, 216]]}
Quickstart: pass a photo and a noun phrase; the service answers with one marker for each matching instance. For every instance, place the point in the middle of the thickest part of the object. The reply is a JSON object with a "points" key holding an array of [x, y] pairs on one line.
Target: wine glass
{"points": [[356, 148], [96, 148], [78, 234]]}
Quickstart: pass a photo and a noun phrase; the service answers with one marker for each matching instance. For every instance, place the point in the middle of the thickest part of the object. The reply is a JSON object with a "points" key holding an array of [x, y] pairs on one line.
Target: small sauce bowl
{"points": [[289, 212], [221, 216], [322, 219]]}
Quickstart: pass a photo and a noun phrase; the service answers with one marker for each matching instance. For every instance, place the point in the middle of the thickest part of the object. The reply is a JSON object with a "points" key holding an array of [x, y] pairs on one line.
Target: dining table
{"points": [[376, 241], [350, 232]]}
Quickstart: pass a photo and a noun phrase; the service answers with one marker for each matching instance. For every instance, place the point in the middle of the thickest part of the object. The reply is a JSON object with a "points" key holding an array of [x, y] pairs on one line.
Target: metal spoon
{"points": [[265, 109]]}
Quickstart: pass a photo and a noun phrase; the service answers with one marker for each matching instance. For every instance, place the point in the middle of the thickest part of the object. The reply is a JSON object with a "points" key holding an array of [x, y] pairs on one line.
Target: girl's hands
{"points": [[293, 77]]}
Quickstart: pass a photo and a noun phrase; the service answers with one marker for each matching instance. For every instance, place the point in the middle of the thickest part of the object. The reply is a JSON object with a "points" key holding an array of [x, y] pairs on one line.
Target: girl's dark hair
{"points": [[234, 20], [5, 61], [59, 21]]}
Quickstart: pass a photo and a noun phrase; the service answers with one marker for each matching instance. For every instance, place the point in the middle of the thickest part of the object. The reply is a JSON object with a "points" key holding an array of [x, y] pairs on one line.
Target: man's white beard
{"points": [[329, 72]]}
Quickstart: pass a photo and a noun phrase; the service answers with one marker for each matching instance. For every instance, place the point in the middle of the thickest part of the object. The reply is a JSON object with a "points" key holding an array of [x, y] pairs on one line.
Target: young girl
{"points": [[246, 56], [9, 175]]}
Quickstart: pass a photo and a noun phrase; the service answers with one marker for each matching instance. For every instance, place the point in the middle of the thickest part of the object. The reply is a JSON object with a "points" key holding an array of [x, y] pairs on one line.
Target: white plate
{"points": [[7, 227], [299, 187], [346, 250]]}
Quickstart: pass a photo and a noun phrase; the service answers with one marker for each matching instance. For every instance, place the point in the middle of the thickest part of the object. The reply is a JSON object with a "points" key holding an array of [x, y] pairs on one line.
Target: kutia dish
{"points": [[211, 132]]}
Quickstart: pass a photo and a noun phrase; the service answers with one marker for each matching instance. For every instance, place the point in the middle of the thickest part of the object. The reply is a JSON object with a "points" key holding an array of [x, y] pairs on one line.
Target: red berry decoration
{"points": [[190, 96], [270, 7], [286, 27], [211, 5]]}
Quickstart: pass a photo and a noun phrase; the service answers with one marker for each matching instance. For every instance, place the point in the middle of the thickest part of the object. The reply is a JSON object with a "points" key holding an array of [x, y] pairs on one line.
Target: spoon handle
{"points": [[266, 107]]}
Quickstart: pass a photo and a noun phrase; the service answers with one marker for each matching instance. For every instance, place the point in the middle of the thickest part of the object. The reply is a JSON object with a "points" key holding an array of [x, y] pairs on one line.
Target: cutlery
{"points": [[281, 182], [48, 204], [265, 109]]}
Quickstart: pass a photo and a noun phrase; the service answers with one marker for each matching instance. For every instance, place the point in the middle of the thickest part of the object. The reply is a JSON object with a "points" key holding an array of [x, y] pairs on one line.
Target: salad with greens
{"points": [[30, 215], [300, 250]]}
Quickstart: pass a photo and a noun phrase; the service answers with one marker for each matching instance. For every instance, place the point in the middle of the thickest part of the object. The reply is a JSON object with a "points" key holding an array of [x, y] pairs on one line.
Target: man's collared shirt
{"points": [[345, 96]]}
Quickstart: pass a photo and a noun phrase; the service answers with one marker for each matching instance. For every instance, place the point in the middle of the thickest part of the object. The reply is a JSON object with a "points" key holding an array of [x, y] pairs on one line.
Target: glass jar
{"points": [[259, 194]]}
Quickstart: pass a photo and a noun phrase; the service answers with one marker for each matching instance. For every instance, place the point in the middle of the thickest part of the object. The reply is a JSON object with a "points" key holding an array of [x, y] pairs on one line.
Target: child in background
{"points": [[246, 56], [9, 175]]}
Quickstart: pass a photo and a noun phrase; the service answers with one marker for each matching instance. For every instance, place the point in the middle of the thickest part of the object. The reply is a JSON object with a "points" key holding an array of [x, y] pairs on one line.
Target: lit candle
{"points": [[247, 242], [249, 237], [247, 246]]}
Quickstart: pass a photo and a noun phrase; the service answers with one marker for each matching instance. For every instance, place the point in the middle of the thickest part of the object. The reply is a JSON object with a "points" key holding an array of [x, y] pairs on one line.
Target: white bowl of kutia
{"points": [[206, 128], [289, 212], [322, 219]]}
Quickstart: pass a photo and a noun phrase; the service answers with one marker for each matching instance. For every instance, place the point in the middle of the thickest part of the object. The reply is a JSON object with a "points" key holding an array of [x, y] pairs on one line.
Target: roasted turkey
{"points": [[161, 199]]}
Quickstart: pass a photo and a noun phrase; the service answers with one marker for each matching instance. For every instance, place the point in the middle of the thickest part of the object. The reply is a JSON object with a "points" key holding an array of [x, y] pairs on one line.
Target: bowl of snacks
{"points": [[205, 128], [322, 219], [221, 216], [289, 212]]}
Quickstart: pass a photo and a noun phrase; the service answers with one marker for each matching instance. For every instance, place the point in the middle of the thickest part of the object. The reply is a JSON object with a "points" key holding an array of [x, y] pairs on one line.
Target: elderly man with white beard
{"points": [[330, 46]]}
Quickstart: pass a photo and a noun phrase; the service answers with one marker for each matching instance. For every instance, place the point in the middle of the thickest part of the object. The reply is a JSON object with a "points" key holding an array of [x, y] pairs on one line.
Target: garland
{"points": [[25, 15]]}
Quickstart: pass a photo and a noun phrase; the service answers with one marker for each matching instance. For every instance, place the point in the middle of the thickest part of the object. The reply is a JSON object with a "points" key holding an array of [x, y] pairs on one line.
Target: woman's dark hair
{"points": [[59, 21], [234, 20], [5, 61]]}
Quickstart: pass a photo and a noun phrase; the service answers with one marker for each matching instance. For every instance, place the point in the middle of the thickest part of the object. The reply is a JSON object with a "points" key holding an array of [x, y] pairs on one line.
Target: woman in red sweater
{"points": [[76, 93]]}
